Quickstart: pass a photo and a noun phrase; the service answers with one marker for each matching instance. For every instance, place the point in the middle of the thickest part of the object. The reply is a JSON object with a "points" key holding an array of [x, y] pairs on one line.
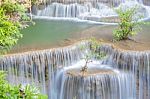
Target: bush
{"points": [[14, 9], [9, 31], [12, 18], [91, 54], [128, 26], [8, 91], [34, 2], [11, 7]]}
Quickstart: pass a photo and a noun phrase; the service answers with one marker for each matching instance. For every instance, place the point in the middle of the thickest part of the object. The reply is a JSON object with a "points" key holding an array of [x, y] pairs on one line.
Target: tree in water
{"points": [[93, 53]]}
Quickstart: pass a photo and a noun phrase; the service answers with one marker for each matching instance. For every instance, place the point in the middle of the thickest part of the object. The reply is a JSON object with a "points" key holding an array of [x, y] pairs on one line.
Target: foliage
{"points": [[93, 53], [9, 31], [129, 25], [15, 9], [34, 2], [38, 2], [11, 6], [8, 91], [95, 45], [12, 18]]}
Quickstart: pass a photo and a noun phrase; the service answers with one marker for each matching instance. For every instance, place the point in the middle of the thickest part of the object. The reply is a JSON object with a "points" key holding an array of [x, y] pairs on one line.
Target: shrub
{"points": [[11, 6], [8, 91], [94, 53], [9, 31], [12, 18], [129, 25]]}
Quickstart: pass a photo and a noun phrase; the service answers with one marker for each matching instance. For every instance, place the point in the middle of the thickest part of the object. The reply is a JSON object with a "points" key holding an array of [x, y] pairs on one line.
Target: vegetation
{"points": [[34, 2], [12, 19], [8, 91], [37, 2], [93, 53], [129, 25], [9, 32]]}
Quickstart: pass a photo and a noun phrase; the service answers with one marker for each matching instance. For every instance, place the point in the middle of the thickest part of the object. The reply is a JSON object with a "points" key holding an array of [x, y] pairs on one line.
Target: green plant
{"points": [[129, 25], [12, 19], [9, 31], [15, 9], [34, 2], [38, 2], [8, 91], [12, 7], [93, 53]]}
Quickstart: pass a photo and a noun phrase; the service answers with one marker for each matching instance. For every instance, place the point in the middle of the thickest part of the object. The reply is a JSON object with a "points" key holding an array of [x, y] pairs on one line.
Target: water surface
{"points": [[55, 33], [47, 33]]}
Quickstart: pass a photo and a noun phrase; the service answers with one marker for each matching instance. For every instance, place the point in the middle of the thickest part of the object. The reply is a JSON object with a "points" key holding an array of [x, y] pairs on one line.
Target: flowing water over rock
{"points": [[120, 75], [100, 82], [37, 67], [91, 11], [136, 62]]}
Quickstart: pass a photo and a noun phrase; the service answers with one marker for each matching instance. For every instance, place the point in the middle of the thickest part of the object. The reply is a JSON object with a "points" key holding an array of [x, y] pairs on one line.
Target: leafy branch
{"points": [[92, 54]]}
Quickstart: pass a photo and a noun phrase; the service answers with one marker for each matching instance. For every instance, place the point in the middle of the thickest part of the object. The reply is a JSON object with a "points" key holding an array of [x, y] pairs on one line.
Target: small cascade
{"points": [[92, 11], [120, 75], [93, 1], [136, 62], [99, 82], [38, 67], [85, 12]]}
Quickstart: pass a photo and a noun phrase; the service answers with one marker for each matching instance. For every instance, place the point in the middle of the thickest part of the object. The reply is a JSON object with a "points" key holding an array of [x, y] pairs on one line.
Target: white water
{"points": [[115, 85], [136, 62], [89, 11], [38, 67], [46, 69]]}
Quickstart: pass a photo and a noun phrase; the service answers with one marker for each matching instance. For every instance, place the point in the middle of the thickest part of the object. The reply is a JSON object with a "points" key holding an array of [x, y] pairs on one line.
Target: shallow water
{"points": [[47, 33], [56, 33]]}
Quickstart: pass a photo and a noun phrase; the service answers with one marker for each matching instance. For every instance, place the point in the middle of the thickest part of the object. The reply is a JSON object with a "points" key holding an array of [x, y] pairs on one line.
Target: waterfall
{"points": [[92, 11], [136, 62], [76, 11], [38, 67], [100, 83], [120, 75]]}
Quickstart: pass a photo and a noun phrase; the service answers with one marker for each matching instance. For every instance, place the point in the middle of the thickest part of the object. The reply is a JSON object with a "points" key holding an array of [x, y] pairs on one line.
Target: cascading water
{"points": [[136, 62], [121, 75], [100, 82], [92, 11], [38, 67]]}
